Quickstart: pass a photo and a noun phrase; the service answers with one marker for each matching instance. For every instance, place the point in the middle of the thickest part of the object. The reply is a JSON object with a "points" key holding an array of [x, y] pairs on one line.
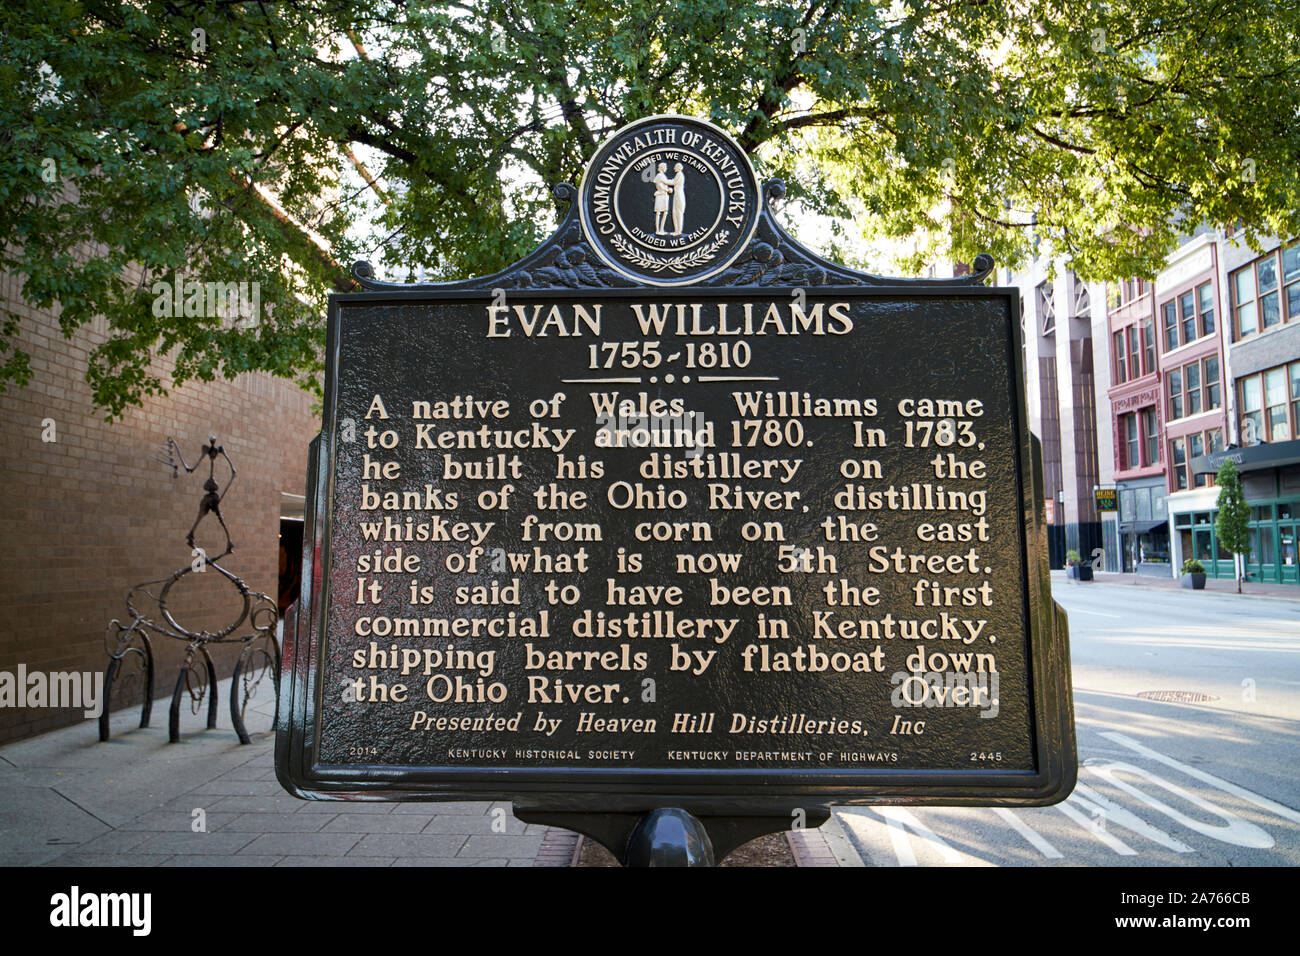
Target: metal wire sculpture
{"points": [[130, 645]]}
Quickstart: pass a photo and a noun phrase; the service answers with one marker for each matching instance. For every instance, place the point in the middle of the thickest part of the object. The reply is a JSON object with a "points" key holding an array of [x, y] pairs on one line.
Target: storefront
{"points": [[1144, 526], [1273, 529], [1270, 474], [1197, 538]]}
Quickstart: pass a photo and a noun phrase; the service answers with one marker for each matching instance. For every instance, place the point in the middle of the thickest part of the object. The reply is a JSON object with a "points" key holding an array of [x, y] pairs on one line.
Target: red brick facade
{"points": [[86, 516], [1195, 352], [1135, 376]]}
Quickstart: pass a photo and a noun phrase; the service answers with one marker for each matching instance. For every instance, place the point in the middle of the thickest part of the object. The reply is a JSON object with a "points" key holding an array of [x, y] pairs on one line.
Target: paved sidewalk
{"points": [[136, 800], [1288, 592]]}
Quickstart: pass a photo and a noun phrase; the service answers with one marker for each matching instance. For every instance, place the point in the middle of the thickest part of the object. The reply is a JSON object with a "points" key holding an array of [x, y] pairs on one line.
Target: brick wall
{"points": [[87, 516]]}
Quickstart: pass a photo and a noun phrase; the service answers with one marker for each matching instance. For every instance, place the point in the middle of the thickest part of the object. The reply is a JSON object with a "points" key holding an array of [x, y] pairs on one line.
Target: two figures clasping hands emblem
{"points": [[666, 188]]}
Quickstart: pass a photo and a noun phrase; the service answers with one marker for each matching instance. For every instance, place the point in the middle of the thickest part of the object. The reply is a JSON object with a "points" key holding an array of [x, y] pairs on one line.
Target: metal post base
{"points": [[668, 836]]}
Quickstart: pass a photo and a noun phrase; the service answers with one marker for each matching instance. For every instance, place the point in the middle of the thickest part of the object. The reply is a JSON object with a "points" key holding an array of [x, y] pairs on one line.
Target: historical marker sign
{"points": [[676, 513]]}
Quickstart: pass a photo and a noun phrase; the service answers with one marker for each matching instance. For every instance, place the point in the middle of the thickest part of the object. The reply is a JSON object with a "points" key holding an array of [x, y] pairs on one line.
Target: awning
{"points": [[1269, 454], [1140, 527]]}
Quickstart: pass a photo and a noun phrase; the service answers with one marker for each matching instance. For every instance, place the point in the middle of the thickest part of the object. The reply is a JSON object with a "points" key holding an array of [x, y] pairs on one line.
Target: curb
{"points": [[1167, 588], [810, 848], [559, 848]]}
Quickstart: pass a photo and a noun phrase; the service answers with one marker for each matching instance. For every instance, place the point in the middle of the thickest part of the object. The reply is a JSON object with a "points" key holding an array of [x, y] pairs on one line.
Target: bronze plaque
{"points": [[579, 538]]}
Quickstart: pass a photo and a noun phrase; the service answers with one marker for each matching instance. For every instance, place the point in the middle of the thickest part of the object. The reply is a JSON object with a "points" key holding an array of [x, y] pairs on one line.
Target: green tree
{"points": [[1230, 526], [230, 139]]}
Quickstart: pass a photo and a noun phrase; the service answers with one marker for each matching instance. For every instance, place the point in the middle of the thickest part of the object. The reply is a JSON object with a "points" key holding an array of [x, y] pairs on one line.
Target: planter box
{"points": [[1079, 572], [1194, 581]]}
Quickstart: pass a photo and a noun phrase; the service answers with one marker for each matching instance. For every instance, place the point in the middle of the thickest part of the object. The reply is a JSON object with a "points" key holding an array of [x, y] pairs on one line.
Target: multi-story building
{"points": [[1262, 325], [1200, 364], [1062, 318], [1189, 327], [1205, 364], [1136, 423]]}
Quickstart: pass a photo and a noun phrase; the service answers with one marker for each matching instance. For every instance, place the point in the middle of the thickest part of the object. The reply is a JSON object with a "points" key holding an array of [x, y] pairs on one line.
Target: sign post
{"points": [[675, 533]]}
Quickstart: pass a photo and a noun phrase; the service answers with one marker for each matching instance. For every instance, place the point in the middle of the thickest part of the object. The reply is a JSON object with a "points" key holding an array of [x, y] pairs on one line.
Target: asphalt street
{"points": [[1213, 782]]}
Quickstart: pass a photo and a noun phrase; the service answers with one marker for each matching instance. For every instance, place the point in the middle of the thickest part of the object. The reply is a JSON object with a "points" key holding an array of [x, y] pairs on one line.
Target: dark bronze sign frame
{"points": [[734, 805]]}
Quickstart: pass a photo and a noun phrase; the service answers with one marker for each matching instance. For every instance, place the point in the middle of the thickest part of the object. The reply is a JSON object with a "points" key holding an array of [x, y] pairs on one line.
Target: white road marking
{"points": [[1212, 644], [1116, 844], [1285, 812], [1236, 831], [899, 821], [896, 822], [1032, 838], [1112, 813], [1091, 811]]}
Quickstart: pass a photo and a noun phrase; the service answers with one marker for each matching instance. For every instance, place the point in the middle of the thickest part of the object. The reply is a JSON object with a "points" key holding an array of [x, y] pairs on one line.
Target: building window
{"points": [[1046, 308], [1143, 504], [1178, 459], [1270, 405], [1275, 411], [1267, 292], [1149, 343], [1189, 317], [1139, 439], [1294, 368], [1151, 435], [1291, 278], [1213, 443], [1134, 363], [1252, 411], [1213, 391], [1195, 449], [1128, 505], [1270, 312], [1129, 429], [1174, 385], [1121, 366], [1190, 393], [1243, 302], [1185, 450], [1205, 303], [1170, 315], [1187, 307], [1198, 445]]}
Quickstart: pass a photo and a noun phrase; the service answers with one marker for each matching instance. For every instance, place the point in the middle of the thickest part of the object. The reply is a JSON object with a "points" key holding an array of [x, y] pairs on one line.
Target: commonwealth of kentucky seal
{"points": [[669, 200]]}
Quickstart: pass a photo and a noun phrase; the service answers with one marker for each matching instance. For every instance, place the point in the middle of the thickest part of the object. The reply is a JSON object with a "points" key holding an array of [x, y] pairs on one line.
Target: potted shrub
{"points": [[1193, 575], [1076, 567]]}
